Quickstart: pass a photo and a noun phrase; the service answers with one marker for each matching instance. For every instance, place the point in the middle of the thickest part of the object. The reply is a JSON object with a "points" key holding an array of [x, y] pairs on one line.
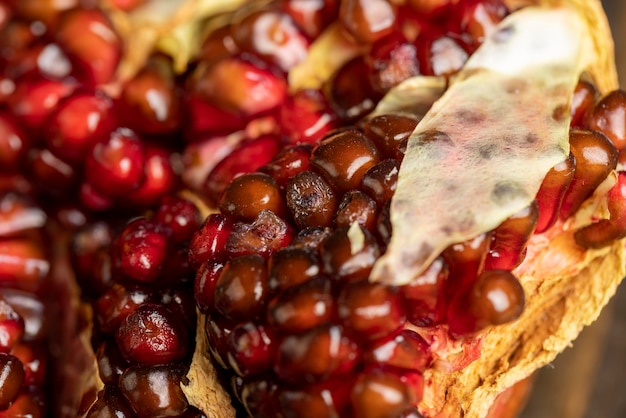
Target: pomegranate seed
{"points": [[550, 194], [259, 398], [265, 235], [248, 157], [312, 16], [152, 334], [380, 181], [508, 247], [217, 331], [240, 86], [606, 231], [34, 357], [595, 158], [377, 393], [316, 355], [391, 60], [204, 118], [180, 301], [390, 133], [251, 349], [583, 101], [52, 174], [405, 350], [324, 400], [179, 215], [80, 121], [305, 117], [115, 167], [311, 237], [149, 102], [439, 55], [117, 303], [11, 327], [287, 163], [110, 403], [30, 308], [159, 178], [479, 18], [90, 41], [465, 261], [349, 254], [371, 310], [219, 44], [609, 117], [94, 200], [241, 289], [13, 143], [11, 379], [310, 200], [425, 302], [142, 249], [273, 37], [19, 215], [46, 11], [29, 403], [349, 91], [111, 364], [302, 307], [249, 194], [368, 20], [206, 278], [291, 266], [356, 206], [91, 260], [209, 243], [344, 158], [154, 391], [495, 298], [430, 8], [35, 98], [22, 264]]}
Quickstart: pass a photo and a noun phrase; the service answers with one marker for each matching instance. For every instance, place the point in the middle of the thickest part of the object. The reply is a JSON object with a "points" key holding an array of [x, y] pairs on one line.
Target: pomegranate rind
{"points": [[566, 285]]}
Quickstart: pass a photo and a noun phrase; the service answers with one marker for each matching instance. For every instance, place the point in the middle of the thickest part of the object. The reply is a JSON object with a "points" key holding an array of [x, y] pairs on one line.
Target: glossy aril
{"points": [[111, 364], [35, 98], [287, 163], [380, 394], [152, 334], [390, 133], [405, 350], [52, 174], [249, 194], [265, 235], [13, 143], [115, 166], [23, 264], [479, 18], [160, 177], [508, 248], [341, 262], [368, 20], [291, 266], [311, 201], [305, 117], [114, 305], [154, 391], [209, 242], [609, 117], [356, 207], [251, 349], [179, 215], [311, 16], [583, 103], [392, 60], [343, 158], [11, 379], [439, 55], [34, 358], [205, 281], [110, 403], [551, 192], [380, 181], [349, 91], [11, 327]]}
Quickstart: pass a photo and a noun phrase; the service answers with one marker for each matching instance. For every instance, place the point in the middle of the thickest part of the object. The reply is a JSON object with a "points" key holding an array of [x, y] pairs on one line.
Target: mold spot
{"points": [[486, 151], [507, 190], [470, 117]]}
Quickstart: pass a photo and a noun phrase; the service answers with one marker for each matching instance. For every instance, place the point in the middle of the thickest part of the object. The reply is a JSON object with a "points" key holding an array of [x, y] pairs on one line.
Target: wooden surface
{"points": [[589, 379]]}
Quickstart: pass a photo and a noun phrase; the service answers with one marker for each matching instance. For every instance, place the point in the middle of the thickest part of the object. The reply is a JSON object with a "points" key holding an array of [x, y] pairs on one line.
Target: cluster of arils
{"points": [[92, 168]]}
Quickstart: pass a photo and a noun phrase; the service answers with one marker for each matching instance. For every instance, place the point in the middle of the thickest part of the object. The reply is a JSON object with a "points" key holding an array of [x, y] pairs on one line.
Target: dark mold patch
{"points": [[507, 190], [470, 117]]}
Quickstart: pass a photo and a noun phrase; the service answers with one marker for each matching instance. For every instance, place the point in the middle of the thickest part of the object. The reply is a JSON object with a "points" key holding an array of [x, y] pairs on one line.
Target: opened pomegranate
{"points": [[300, 208]]}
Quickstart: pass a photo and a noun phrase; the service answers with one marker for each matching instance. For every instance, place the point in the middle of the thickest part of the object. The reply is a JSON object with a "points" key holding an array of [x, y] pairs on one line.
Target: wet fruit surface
{"points": [[224, 186]]}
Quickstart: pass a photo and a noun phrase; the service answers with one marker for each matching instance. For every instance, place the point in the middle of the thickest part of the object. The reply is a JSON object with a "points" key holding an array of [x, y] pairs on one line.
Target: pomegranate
{"points": [[301, 208]]}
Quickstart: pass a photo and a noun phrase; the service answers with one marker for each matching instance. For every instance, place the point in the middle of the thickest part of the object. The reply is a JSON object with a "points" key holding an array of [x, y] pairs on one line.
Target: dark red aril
{"points": [[311, 201], [349, 253], [609, 117], [160, 177], [356, 207], [406, 350], [380, 181], [287, 163], [305, 117], [377, 393], [312, 16], [11, 379], [112, 308], [111, 364], [508, 247], [247, 195], [11, 327], [251, 349], [349, 91], [439, 54], [425, 301], [110, 403], [291, 266], [14, 143], [551, 192], [179, 215], [206, 278], [390, 133], [583, 101], [392, 60], [265, 235], [209, 242], [368, 20]]}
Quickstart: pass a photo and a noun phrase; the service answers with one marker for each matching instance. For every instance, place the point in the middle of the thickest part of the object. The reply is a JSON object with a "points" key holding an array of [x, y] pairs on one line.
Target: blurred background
{"points": [[589, 379]]}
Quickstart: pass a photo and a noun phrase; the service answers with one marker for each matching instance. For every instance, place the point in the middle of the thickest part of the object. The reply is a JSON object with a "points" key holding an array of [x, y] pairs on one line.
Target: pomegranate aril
{"points": [[239, 86], [142, 249], [311, 237], [311, 201], [11, 327], [209, 242], [154, 391], [583, 102], [495, 298], [34, 358], [219, 44], [247, 195], [379, 394], [259, 398], [150, 102], [115, 166], [251, 349], [51, 174], [152, 334], [606, 231], [390, 133], [79, 122], [508, 247], [316, 355], [356, 207], [11, 379], [368, 20], [344, 261], [302, 307], [111, 364], [271, 35], [91, 258], [46, 11], [90, 41], [406, 350], [380, 181], [287, 163], [349, 91], [179, 299], [465, 261], [392, 59], [93, 199], [343, 158], [117, 303], [425, 301], [609, 117], [110, 403], [305, 117], [246, 158], [439, 55], [241, 289], [551, 192], [292, 266], [371, 310], [30, 402], [313, 401], [160, 178], [265, 235], [311, 16], [179, 215], [35, 98], [23, 264], [14, 143], [595, 157], [479, 18], [217, 330], [19, 215]]}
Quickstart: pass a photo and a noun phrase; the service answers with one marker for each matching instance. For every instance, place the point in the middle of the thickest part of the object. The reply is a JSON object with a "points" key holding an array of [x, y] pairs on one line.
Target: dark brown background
{"points": [[589, 379]]}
